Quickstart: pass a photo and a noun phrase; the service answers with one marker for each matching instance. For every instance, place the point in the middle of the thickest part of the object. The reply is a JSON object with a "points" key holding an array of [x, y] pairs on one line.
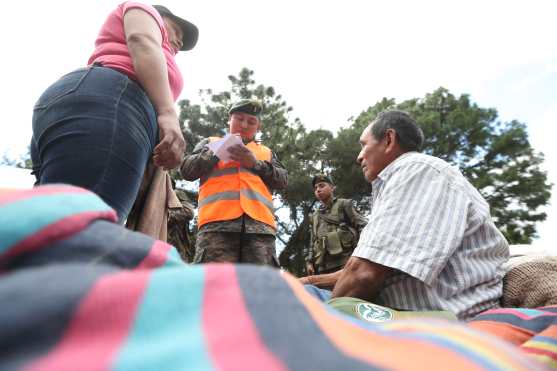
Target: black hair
{"points": [[409, 135]]}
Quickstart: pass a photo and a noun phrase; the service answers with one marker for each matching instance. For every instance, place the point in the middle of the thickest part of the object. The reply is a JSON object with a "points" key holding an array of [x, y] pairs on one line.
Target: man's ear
{"points": [[391, 140]]}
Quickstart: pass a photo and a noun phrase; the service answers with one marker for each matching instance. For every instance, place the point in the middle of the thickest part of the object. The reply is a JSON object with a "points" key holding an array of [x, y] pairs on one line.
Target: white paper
{"points": [[220, 147]]}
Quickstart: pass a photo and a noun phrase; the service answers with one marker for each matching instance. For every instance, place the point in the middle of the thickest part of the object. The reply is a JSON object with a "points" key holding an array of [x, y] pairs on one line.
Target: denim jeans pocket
{"points": [[67, 84]]}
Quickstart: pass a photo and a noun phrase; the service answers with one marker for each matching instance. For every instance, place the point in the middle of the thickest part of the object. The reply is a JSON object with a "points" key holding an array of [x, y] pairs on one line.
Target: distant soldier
{"points": [[334, 228], [178, 227], [236, 214]]}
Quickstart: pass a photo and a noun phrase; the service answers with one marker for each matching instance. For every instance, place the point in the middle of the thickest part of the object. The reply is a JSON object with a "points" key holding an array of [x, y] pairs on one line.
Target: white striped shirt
{"points": [[431, 225]]}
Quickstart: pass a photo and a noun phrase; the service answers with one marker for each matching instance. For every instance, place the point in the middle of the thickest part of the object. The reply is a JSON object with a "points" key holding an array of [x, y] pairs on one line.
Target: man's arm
{"points": [[324, 281], [199, 163], [361, 279], [273, 173], [355, 219]]}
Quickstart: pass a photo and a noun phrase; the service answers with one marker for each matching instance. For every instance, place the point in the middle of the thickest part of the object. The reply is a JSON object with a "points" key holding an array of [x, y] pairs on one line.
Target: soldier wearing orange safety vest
{"points": [[236, 217]]}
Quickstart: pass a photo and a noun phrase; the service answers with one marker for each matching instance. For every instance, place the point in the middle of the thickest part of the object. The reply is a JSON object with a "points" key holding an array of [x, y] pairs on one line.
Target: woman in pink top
{"points": [[96, 127]]}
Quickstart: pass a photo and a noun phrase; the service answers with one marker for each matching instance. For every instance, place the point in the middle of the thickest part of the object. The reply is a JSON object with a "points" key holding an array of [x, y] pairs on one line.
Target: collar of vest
{"points": [[324, 207]]}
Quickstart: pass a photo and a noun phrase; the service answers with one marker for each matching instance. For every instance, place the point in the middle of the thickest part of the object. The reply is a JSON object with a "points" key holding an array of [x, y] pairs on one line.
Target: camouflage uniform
{"points": [[323, 255], [234, 247], [178, 231], [242, 240]]}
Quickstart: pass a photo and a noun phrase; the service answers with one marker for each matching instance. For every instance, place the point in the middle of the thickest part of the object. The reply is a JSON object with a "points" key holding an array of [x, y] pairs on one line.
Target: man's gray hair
{"points": [[409, 135]]}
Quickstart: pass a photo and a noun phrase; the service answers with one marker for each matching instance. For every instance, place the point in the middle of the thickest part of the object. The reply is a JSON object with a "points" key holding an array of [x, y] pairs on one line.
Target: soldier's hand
{"points": [[310, 269], [306, 280], [243, 155]]}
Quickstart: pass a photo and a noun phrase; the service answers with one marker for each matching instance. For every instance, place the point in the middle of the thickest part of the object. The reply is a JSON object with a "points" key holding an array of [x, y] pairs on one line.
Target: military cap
{"points": [[249, 106], [321, 178]]}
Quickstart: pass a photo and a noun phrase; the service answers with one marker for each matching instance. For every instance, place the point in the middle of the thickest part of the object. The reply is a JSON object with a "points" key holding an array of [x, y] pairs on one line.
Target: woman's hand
{"points": [[169, 152]]}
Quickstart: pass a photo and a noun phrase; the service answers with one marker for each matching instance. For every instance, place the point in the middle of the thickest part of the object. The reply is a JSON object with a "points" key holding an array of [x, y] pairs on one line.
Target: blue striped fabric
{"points": [[22, 218], [108, 298], [168, 337]]}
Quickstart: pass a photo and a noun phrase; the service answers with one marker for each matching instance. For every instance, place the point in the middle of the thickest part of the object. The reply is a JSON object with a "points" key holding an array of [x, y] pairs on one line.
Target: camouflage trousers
{"points": [[235, 247]]}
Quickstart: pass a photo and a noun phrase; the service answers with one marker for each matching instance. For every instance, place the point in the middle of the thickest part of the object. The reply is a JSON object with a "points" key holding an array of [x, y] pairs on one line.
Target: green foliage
{"points": [[495, 156], [23, 162], [343, 152], [298, 150]]}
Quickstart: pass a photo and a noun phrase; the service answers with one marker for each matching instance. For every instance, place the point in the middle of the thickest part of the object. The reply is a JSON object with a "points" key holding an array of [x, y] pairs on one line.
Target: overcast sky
{"points": [[329, 59]]}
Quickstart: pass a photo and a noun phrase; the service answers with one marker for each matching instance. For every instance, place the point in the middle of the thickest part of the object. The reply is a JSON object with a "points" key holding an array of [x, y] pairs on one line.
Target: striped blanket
{"points": [[79, 292], [533, 330]]}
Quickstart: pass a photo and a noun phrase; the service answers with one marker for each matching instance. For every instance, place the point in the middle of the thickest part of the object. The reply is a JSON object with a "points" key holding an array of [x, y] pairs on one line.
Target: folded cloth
{"points": [[156, 197], [533, 331]]}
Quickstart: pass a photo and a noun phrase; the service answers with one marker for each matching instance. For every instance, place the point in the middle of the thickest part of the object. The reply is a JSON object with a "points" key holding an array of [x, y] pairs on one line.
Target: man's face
{"points": [[243, 124], [372, 158], [323, 191]]}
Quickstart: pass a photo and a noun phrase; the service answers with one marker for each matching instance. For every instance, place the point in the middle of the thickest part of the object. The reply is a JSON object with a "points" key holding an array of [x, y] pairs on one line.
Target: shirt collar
{"points": [[389, 169]]}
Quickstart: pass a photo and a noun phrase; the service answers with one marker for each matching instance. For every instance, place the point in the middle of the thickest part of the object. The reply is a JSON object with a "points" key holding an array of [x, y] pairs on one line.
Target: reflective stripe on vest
{"points": [[229, 191], [248, 193]]}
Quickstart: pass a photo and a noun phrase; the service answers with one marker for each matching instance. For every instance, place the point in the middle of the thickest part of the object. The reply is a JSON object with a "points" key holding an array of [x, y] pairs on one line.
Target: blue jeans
{"points": [[320, 294], [94, 128]]}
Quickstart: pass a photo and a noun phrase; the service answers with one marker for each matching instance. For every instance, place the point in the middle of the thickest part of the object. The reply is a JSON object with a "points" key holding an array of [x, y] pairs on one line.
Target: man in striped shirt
{"points": [[430, 243]]}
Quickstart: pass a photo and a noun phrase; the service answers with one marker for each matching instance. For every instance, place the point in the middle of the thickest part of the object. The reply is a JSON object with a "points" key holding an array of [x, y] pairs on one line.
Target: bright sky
{"points": [[329, 59]]}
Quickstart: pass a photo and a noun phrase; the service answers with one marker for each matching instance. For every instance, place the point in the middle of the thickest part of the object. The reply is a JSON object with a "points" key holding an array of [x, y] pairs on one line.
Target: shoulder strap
{"points": [[314, 221], [345, 203], [335, 215]]}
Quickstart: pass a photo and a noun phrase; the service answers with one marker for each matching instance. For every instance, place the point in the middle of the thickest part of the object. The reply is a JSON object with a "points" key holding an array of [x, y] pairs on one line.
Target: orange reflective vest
{"points": [[230, 190]]}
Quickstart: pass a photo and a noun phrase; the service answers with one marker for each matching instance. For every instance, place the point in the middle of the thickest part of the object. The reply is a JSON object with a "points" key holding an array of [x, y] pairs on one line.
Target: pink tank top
{"points": [[111, 49]]}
